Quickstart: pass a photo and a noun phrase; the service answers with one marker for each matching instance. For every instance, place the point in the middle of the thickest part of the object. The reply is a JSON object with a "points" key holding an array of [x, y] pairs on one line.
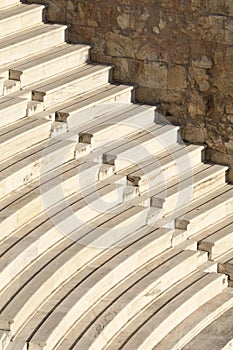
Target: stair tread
{"points": [[18, 9]]}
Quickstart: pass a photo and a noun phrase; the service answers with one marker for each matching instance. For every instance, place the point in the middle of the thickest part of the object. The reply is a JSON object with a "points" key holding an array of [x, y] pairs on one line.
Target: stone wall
{"points": [[179, 53]]}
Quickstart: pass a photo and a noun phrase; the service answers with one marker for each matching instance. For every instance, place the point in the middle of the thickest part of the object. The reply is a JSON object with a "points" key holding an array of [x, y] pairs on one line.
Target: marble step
{"points": [[70, 255], [10, 86], [204, 212], [73, 178], [125, 333], [7, 3], [54, 61], [120, 262], [217, 239], [34, 162], [12, 109], [22, 134], [218, 335], [19, 17], [128, 304], [28, 244], [175, 311], [146, 144], [177, 193], [89, 106], [225, 265], [164, 166], [71, 83], [197, 322], [30, 41], [114, 125]]}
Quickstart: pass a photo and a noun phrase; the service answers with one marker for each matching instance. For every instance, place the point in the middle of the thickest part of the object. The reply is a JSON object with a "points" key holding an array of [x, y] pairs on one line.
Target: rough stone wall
{"points": [[179, 53]]}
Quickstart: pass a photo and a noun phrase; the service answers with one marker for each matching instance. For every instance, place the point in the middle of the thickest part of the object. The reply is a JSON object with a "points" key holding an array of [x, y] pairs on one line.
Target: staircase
{"points": [[114, 233]]}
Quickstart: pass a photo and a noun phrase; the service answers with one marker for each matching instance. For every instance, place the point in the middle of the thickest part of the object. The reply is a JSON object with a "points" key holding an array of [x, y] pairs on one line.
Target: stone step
{"points": [[72, 254], [218, 335], [206, 211], [30, 41], [12, 110], [124, 334], [225, 265], [127, 305], [54, 61], [74, 113], [22, 134], [34, 162], [147, 143], [24, 246], [217, 240], [19, 17], [7, 3], [196, 323], [169, 164], [175, 311], [71, 83], [114, 125], [177, 193], [120, 262], [22, 206]]}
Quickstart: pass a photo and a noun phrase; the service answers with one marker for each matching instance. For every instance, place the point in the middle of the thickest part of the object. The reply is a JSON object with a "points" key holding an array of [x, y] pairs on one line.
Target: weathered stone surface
{"points": [[179, 53]]}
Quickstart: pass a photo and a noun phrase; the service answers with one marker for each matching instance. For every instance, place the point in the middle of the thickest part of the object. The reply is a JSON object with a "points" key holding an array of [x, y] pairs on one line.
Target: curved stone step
{"points": [[19, 17], [188, 186], [71, 83], [22, 134], [206, 211], [57, 225], [218, 335], [217, 240], [30, 41], [165, 165], [72, 254], [175, 311], [114, 125], [151, 141], [54, 61], [51, 194], [34, 162], [128, 300], [225, 265], [196, 323], [124, 335]]}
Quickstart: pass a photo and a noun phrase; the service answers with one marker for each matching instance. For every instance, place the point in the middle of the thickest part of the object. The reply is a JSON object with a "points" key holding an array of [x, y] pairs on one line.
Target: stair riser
{"points": [[50, 68], [20, 22], [13, 113], [76, 87], [19, 144], [29, 47]]}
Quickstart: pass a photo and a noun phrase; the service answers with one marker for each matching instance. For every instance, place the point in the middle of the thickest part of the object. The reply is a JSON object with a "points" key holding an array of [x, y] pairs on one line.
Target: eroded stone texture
{"points": [[179, 53]]}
